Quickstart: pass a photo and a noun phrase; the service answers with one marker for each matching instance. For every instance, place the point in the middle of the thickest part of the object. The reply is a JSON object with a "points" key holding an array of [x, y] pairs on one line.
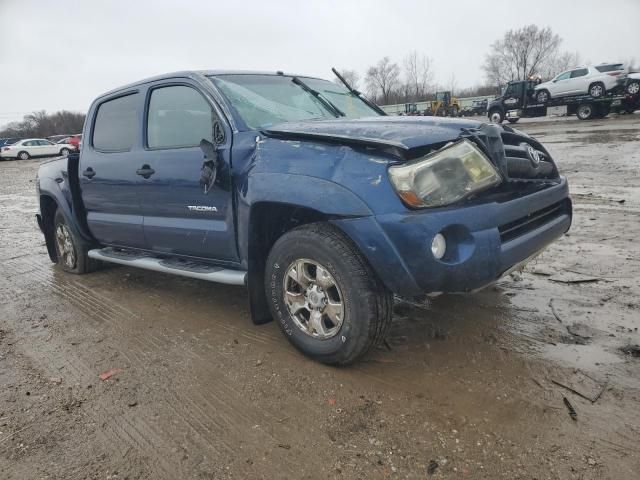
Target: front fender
{"points": [[323, 196], [316, 193]]}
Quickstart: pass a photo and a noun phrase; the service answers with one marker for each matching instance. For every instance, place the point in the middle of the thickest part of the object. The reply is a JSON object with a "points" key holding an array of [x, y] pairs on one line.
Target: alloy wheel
{"points": [[596, 91], [66, 249], [313, 298]]}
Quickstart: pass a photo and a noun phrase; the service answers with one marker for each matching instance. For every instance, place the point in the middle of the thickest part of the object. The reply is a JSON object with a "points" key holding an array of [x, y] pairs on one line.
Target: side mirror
{"points": [[209, 169]]}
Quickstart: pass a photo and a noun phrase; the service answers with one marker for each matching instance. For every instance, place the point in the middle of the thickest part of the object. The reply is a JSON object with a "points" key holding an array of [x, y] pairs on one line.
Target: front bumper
{"points": [[483, 241]]}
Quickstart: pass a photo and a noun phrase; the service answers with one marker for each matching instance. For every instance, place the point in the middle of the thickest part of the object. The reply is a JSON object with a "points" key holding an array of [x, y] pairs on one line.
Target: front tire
{"points": [[325, 296], [496, 116], [543, 96], [71, 251]]}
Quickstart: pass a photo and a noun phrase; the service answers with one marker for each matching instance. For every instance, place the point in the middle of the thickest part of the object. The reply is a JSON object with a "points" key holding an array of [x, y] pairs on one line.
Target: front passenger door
{"points": [[561, 84], [182, 214]]}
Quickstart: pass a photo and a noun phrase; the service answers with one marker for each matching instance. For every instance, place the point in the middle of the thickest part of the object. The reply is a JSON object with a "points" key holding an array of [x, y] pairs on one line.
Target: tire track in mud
{"points": [[228, 406], [401, 379], [107, 307], [121, 430], [116, 429]]}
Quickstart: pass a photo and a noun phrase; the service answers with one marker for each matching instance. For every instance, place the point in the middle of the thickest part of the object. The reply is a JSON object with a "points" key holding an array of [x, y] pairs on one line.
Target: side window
{"points": [[116, 125], [30, 143], [581, 72], [178, 116], [563, 76]]}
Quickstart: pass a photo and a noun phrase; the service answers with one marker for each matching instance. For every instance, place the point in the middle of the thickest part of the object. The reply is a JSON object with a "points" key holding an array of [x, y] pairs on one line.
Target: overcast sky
{"points": [[61, 54]]}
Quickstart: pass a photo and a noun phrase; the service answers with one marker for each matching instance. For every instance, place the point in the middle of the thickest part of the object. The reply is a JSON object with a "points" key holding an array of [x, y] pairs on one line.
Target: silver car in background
{"points": [[594, 80]]}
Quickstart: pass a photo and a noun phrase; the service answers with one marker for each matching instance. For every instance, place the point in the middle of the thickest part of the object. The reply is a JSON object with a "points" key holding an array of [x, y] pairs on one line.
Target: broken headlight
{"points": [[440, 178]]}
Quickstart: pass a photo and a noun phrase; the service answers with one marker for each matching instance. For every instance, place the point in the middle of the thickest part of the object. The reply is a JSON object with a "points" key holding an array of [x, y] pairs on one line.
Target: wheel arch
{"points": [[268, 221]]}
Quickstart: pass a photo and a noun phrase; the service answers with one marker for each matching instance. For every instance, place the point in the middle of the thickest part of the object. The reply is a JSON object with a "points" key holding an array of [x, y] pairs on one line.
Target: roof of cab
{"points": [[196, 74]]}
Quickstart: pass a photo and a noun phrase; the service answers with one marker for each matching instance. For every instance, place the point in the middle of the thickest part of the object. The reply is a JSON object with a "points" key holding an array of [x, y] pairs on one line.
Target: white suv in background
{"points": [[35, 147], [594, 80]]}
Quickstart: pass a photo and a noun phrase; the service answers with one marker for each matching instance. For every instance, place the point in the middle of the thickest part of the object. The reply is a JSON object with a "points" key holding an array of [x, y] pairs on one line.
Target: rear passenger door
{"points": [[108, 177], [182, 214], [578, 83]]}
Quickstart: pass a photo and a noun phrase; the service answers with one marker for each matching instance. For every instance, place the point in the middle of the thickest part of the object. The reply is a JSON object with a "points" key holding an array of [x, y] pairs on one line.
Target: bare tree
{"points": [[42, 124], [418, 72], [383, 79], [521, 54], [351, 76]]}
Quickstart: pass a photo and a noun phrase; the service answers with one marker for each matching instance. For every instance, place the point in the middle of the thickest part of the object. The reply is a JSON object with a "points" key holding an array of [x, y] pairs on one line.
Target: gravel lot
{"points": [[467, 387]]}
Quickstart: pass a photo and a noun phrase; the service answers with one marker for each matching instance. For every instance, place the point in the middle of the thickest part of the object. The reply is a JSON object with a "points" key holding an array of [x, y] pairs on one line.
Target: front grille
{"points": [[515, 229], [518, 157], [526, 159]]}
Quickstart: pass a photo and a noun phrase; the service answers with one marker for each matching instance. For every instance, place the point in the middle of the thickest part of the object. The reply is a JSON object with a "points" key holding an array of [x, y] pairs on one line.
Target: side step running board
{"points": [[190, 269]]}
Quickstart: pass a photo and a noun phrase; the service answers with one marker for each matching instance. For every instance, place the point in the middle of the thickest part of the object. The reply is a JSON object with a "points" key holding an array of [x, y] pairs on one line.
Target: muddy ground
{"points": [[465, 388]]}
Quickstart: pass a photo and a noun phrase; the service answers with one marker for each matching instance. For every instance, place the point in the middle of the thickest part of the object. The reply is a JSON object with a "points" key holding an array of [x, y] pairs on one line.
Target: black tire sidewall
{"points": [[354, 331]]}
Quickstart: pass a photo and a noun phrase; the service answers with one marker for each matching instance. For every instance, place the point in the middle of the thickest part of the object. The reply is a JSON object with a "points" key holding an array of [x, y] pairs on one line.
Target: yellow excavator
{"points": [[444, 106]]}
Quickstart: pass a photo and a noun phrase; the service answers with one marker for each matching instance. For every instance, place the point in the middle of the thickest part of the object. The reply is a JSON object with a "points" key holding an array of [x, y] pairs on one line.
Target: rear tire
{"points": [[24, 156], [585, 111], [633, 88], [326, 298], [64, 152], [597, 90], [71, 251]]}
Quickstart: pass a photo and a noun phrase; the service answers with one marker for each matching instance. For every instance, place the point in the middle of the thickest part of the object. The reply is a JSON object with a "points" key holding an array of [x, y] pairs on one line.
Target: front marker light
{"points": [[444, 177]]}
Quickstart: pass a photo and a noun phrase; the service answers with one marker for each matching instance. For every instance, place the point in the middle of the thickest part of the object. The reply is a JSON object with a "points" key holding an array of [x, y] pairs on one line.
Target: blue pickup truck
{"points": [[302, 191]]}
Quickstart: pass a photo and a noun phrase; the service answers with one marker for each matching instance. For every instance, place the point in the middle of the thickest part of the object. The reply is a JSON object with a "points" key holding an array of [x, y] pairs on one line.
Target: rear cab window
{"points": [[116, 124]]}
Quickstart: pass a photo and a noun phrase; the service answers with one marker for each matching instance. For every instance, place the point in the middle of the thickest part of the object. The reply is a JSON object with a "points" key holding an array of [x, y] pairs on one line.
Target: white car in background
{"points": [[35, 147], [594, 80]]}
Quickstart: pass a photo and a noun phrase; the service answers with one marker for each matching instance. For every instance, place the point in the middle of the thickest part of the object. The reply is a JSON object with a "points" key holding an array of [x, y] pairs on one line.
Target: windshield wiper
{"points": [[321, 98], [357, 93]]}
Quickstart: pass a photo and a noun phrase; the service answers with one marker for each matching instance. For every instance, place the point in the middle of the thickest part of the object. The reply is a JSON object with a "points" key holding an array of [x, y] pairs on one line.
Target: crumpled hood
{"points": [[402, 133]]}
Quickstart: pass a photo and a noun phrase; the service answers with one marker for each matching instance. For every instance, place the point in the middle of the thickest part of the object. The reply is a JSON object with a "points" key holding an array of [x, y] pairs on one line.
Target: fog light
{"points": [[438, 246]]}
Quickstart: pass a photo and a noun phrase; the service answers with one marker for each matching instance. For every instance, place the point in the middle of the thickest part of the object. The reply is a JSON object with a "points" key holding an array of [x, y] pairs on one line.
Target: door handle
{"points": [[89, 173], [146, 171]]}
